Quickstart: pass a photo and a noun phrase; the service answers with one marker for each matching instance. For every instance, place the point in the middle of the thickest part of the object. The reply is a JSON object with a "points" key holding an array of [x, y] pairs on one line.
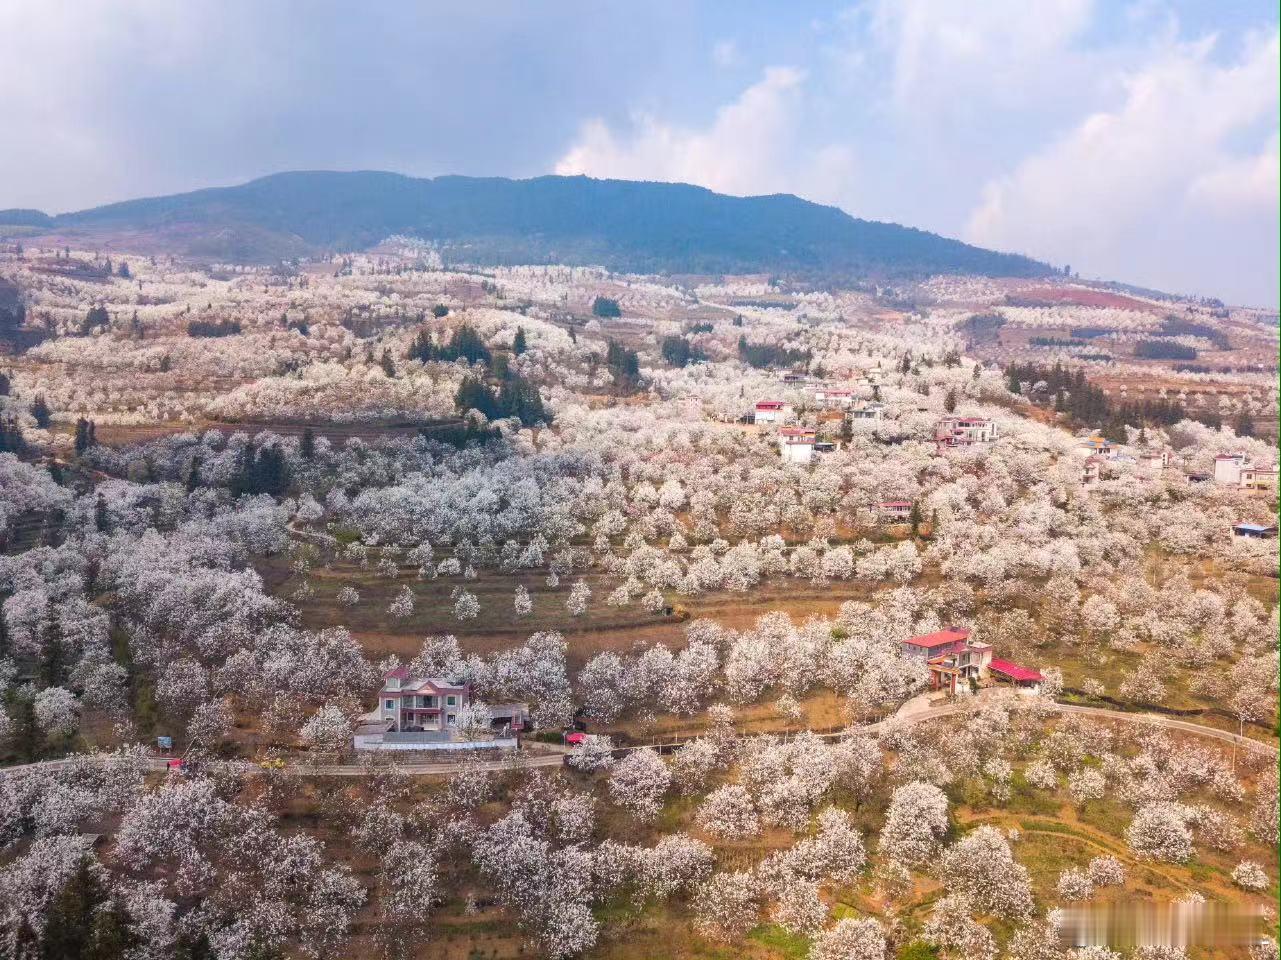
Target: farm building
{"points": [[1235, 470], [956, 663], [772, 411], [797, 444], [964, 432], [895, 510]]}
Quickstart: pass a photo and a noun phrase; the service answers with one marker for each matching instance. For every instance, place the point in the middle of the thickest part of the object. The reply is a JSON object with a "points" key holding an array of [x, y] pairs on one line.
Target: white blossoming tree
{"points": [[579, 596], [639, 782], [915, 822]]}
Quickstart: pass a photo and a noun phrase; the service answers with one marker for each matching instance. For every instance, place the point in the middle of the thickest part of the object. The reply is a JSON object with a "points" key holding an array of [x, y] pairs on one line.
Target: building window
{"points": [[453, 720], [451, 701], [391, 704]]}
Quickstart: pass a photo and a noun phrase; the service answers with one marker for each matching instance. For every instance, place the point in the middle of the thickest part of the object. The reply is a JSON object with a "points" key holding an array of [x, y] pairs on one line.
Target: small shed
{"points": [[1003, 671]]}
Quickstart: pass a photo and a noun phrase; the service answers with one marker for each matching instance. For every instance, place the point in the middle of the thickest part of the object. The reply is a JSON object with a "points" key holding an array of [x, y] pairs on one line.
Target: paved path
{"points": [[910, 713]]}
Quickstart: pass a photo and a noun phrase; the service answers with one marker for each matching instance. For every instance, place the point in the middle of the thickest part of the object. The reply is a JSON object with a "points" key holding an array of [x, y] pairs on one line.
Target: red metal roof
{"points": [[770, 405], [574, 739], [941, 637], [896, 503], [1014, 671]]}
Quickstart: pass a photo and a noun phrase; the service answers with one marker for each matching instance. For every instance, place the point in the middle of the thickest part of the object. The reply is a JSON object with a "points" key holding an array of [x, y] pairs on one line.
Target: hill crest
{"points": [[625, 225]]}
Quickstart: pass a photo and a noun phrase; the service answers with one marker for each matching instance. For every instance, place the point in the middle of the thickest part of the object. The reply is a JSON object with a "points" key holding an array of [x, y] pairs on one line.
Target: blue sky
{"points": [[1135, 141]]}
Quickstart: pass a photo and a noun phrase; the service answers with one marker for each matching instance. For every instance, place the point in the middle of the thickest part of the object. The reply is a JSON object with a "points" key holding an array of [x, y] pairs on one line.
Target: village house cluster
{"points": [[1236, 470]]}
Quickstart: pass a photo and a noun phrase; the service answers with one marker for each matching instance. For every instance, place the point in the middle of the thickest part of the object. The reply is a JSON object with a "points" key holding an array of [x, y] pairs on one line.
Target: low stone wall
{"points": [[421, 742]]}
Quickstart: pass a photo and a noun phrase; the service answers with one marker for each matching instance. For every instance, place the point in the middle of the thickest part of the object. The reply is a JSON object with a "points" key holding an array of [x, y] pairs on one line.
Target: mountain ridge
{"points": [[625, 225]]}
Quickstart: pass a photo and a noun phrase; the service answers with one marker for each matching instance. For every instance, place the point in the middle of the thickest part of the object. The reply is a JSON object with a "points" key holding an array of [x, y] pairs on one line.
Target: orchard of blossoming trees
{"points": [[233, 500]]}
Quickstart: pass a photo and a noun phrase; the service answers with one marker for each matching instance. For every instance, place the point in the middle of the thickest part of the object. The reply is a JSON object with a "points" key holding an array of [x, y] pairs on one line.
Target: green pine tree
{"points": [[69, 918]]}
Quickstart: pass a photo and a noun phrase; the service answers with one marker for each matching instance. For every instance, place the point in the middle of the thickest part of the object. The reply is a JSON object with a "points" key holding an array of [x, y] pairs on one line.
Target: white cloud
{"points": [[943, 52], [1148, 184], [1242, 185], [753, 145]]}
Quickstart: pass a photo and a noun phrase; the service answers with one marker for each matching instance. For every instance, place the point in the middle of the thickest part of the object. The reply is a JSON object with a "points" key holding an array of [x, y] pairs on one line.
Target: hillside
{"points": [[624, 225]]}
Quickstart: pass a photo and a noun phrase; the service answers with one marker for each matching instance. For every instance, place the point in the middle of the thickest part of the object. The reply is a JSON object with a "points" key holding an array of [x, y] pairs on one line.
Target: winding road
{"points": [[911, 713]]}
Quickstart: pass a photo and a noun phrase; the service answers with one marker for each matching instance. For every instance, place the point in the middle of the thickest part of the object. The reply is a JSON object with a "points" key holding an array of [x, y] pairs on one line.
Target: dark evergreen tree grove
{"points": [[623, 363], [761, 355], [307, 447], [518, 397], [679, 352], [27, 738], [83, 922], [213, 328], [1163, 350], [519, 345], [96, 319], [68, 932], [606, 307], [86, 435], [40, 410], [113, 936], [515, 397], [262, 471], [11, 440], [465, 344], [423, 348], [1087, 405], [474, 394]]}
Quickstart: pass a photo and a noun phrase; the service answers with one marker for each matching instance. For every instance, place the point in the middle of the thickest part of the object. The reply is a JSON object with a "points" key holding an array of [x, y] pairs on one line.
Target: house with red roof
{"points": [[1003, 671], [958, 662], [797, 444], [898, 511], [964, 432], [834, 398], [419, 704], [772, 411], [422, 713]]}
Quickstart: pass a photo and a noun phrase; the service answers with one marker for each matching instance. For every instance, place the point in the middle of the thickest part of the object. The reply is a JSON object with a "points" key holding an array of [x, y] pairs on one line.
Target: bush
{"points": [[1163, 350], [679, 352], [606, 307], [213, 328], [917, 950]]}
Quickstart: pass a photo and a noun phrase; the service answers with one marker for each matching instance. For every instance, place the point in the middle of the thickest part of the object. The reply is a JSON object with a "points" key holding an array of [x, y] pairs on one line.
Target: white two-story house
{"points": [[421, 704], [965, 432]]}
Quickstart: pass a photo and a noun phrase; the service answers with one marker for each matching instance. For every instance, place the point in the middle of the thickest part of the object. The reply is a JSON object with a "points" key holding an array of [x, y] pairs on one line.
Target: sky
{"points": [[1135, 141]]}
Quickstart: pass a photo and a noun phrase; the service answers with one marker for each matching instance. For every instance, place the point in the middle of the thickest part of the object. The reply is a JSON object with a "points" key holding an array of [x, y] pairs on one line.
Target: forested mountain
{"points": [[624, 225]]}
